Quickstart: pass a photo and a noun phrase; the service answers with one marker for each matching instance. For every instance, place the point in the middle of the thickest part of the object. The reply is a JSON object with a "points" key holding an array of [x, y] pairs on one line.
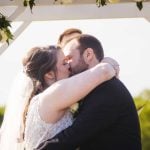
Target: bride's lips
{"points": [[70, 71]]}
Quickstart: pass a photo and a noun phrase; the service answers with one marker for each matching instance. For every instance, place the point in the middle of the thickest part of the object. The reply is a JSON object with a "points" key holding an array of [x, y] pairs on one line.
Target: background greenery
{"points": [[142, 102], [2, 109]]}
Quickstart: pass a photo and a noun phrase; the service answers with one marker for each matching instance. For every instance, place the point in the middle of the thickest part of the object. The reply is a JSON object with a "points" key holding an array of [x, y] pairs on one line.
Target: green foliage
{"points": [[3, 22], [142, 102], [29, 3], [100, 2], [139, 5], [2, 110]]}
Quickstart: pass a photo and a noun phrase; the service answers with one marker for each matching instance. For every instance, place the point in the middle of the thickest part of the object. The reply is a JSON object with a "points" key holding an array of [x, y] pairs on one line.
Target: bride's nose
{"points": [[68, 66]]}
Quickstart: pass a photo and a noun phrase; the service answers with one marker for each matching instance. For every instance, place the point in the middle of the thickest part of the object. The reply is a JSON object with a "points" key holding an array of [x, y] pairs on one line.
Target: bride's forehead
{"points": [[60, 55]]}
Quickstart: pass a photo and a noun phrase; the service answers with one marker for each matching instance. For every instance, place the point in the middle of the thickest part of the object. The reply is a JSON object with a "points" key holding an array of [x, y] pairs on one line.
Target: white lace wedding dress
{"points": [[37, 130]]}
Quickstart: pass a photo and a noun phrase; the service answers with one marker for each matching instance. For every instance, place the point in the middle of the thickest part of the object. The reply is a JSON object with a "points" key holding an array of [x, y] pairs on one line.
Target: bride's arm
{"points": [[66, 92]]}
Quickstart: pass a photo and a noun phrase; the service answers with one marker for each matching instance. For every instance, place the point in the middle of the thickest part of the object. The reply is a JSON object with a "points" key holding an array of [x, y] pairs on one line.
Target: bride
{"points": [[41, 110]]}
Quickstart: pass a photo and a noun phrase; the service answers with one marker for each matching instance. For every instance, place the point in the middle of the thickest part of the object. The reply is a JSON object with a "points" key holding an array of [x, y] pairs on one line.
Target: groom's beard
{"points": [[79, 67]]}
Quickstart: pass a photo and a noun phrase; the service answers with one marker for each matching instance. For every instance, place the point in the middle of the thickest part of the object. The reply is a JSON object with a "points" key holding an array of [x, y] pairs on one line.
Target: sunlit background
{"points": [[123, 30]]}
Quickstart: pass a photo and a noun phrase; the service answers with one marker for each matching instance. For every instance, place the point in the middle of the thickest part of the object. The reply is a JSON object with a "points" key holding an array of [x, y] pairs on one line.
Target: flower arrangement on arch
{"points": [[139, 3], [5, 33]]}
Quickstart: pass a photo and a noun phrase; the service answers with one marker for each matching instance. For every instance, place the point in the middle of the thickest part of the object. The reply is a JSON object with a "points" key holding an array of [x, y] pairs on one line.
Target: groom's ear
{"points": [[88, 55]]}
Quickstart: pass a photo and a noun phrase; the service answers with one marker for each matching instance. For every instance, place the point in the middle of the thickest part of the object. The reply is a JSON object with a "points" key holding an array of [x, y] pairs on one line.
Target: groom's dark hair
{"points": [[88, 41]]}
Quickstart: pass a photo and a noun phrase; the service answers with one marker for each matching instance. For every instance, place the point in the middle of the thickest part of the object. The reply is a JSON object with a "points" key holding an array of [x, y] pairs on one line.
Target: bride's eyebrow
{"points": [[65, 60], [68, 57]]}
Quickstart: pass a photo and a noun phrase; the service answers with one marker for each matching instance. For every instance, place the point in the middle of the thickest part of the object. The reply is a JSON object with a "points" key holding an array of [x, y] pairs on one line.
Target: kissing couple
{"points": [[74, 72]]}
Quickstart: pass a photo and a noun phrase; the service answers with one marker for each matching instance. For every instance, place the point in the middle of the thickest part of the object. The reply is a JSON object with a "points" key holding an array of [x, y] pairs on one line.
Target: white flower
{"points": [[114, 1], [64, 1], [3, 36], [74, 107], [67, 1]]}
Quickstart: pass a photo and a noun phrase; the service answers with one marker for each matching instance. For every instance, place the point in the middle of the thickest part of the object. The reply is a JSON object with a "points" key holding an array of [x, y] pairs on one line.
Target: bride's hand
{"points": [[114, 63]]}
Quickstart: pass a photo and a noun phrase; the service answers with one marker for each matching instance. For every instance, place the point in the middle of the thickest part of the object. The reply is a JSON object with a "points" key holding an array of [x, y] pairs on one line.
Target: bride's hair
{"points": [[37, 62]]}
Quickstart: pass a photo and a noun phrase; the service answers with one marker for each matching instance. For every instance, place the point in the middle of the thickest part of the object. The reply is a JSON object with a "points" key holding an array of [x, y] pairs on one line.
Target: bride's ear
{"points": [[49, 76]]}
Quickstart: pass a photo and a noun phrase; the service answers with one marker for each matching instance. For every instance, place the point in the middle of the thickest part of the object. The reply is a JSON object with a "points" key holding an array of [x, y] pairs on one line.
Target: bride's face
{"points": [[62, 66]]}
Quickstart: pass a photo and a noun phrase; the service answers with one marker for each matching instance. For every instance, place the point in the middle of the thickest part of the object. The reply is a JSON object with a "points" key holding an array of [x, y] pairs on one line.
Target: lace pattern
{"points": [[38, 131]]}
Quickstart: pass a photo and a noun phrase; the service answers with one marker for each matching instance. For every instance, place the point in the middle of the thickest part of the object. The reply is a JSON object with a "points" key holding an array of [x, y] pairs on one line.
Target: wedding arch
{"points": [[48, 19], [70, 9]]}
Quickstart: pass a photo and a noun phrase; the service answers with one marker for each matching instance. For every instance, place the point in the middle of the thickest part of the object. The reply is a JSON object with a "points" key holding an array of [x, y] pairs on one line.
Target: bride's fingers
{"points": [[117, 69], [111, 61]]}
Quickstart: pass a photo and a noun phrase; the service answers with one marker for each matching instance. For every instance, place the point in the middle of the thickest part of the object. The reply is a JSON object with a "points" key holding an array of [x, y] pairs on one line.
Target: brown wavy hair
{"points": [[37, 62]]}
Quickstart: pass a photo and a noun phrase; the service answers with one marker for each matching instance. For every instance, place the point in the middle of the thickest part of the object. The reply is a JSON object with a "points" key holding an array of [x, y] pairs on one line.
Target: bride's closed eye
{"points": [[68, 58], [65, 62]]}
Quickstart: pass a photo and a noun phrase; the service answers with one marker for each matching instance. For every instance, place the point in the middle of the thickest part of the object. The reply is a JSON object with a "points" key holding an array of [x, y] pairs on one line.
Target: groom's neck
{"points": [[93, 63]]}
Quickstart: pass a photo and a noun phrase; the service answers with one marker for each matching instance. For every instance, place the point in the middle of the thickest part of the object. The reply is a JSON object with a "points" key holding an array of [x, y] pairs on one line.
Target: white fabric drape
{"points": [[10, 128]]}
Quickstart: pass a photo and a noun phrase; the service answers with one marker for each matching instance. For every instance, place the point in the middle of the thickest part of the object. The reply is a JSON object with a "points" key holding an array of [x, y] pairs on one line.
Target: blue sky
{"points": [[126, 40]]}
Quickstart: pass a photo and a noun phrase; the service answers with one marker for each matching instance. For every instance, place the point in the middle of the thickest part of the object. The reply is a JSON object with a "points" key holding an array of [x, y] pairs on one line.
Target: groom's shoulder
{"points": [[113, 85], [114, 82]]}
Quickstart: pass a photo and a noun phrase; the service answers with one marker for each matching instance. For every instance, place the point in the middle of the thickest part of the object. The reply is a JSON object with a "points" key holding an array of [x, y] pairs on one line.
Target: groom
{"points": [[107, 118]]}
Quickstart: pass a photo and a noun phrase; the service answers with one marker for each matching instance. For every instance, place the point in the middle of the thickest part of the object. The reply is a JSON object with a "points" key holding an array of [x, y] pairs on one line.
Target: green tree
{"points": [[2, 109], [142, 102]]}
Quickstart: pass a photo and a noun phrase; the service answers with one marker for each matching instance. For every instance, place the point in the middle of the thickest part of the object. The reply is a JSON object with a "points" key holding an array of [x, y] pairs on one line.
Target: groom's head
{"points": [[83, 52]]}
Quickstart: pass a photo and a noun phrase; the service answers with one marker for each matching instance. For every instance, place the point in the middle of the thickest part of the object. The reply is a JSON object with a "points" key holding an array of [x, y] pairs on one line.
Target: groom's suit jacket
{"points": [[107, 120]]}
